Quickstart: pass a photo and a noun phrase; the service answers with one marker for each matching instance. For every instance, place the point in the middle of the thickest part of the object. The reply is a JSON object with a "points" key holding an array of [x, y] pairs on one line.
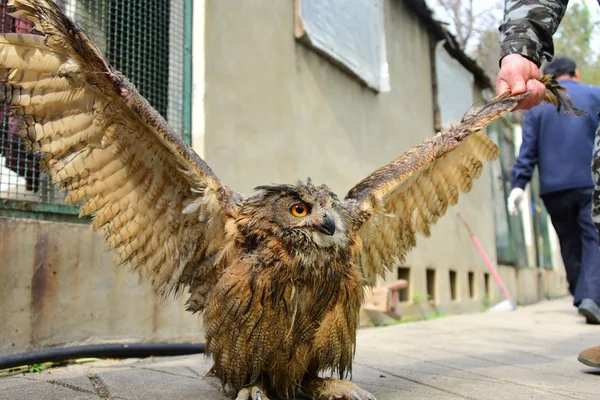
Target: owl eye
{"points": [[299, 210]]}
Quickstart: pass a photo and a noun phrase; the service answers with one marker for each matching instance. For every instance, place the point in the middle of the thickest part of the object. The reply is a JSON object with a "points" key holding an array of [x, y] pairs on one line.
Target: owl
{"points": [[278, 276]]}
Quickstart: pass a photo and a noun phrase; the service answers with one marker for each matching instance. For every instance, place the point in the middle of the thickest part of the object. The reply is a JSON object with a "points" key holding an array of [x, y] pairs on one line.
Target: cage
{"points": [[147, 40]]}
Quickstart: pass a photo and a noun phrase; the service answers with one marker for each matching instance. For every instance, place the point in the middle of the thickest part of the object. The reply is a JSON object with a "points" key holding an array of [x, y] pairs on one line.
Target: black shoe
{"points": [[590, 310]]}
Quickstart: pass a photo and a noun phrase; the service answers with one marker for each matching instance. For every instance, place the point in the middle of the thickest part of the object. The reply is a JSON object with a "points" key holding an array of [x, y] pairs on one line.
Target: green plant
{"points": [[437, 315], [417, 297], [36, 368], [552, 294], [486, 303]]}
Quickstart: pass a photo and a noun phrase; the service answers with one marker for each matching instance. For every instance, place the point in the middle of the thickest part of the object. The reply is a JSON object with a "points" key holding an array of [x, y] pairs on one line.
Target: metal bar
{"points": [[29, 206], [41, 211], [187, 72]]}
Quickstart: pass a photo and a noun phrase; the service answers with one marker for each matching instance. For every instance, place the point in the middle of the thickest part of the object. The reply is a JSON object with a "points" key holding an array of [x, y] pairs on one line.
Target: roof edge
{"points": [[425, 13]]}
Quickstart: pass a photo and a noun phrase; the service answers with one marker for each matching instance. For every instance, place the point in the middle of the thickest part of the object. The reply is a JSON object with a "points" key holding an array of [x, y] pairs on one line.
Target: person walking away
{"points": [[526, 40], [561, 147]]}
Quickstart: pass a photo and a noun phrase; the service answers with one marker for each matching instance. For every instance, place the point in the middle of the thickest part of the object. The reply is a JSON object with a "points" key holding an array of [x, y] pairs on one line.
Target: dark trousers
{"points": [[571, 214]]}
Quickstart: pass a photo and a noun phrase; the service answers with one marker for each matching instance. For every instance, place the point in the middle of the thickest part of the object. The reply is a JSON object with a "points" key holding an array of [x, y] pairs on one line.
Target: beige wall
{"points": [[278, 112], [275, 112], [290, 113], [59, 287]]}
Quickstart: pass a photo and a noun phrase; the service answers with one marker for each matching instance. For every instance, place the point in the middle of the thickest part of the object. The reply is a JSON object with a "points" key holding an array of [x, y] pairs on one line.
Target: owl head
{"points": [[301, 216]]}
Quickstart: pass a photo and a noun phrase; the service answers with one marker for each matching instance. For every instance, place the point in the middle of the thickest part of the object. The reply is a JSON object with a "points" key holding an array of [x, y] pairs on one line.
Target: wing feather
{"points": [[407, 196], [111, 151]]}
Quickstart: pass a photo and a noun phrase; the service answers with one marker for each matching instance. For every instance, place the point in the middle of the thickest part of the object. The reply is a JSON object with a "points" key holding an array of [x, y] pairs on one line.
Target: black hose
{"points": [[133, 350]]}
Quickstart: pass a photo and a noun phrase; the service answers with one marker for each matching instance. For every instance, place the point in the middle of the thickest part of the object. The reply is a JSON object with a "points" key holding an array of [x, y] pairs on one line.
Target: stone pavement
{"points": [[530, 353]]}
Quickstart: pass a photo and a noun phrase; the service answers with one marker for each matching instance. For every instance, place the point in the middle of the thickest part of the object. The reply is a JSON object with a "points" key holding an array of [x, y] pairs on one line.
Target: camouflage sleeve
{"points": [[528, 27], [596, 178]]}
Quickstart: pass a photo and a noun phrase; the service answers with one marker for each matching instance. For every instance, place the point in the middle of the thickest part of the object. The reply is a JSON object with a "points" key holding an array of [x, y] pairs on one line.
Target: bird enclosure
{"points": [[149, 41]]}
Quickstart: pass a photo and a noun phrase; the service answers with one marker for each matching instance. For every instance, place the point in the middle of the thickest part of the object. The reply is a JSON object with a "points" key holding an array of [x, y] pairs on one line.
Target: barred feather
{"points": [[104, 144], [405, 197]]}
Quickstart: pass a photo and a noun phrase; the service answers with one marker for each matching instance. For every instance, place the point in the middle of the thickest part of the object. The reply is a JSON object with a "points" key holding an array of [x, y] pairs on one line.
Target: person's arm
{"points": [[528, 27], [526, 162], [528, 153], [526, 38]]}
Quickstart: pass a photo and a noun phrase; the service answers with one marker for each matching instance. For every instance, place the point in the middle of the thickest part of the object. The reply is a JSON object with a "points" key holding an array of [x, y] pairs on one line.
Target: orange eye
{"points": [[299, 210]]}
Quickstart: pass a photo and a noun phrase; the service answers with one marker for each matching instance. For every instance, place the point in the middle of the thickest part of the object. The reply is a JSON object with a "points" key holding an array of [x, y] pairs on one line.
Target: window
{"points": [[348, 32], [144, 39], [453, 286], [471, 285], [486, 283], [431, 285], [404, 273]]}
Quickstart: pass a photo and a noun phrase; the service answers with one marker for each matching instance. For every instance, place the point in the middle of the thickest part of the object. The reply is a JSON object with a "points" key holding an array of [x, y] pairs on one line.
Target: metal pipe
{"points": [[112, 350]]}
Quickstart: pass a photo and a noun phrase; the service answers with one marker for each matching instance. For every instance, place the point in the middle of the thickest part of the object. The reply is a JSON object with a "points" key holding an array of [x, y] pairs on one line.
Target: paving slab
{"points": [[530, 353]]}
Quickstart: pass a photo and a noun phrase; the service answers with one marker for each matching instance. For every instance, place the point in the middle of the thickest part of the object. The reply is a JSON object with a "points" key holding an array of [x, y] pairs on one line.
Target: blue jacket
{"points": [[560, 145]]}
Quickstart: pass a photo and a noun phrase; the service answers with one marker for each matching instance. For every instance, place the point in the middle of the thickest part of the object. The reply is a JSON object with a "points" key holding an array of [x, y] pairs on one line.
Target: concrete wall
{"points": [[58, 287], [277, 112]]}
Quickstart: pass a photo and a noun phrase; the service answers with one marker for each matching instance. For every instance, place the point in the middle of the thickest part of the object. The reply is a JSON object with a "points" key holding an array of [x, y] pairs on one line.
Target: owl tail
{"points": [[556, 94]]}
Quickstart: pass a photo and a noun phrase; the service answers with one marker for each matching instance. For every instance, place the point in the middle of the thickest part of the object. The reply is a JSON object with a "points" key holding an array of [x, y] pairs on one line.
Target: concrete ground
{"points": [[530, 353]]}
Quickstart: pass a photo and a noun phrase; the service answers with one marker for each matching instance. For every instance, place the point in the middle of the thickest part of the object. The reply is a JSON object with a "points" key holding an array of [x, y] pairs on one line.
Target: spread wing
{"points": [[408, 195], [160, 207]]}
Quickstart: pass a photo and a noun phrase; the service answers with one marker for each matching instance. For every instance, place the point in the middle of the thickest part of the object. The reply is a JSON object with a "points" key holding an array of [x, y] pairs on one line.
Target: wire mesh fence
{"points": [[144, 39]]}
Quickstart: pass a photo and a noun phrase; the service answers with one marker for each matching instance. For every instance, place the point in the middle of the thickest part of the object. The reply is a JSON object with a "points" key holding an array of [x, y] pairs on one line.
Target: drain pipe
{"points": [[113, 350]]}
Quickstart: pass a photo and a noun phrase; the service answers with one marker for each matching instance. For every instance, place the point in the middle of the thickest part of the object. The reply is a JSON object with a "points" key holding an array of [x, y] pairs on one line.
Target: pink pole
{"points": [[486, 259]]}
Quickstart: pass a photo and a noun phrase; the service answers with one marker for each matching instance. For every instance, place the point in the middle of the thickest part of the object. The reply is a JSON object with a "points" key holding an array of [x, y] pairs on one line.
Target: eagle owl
{"points": [[278, 275]]}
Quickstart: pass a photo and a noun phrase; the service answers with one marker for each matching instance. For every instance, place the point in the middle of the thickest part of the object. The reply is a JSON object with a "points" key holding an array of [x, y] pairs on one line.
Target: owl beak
{"points": [[327, 226]]}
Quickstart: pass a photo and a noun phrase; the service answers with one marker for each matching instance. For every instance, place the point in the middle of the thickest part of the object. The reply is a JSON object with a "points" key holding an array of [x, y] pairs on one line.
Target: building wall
{"points": [[290, 113], [278, 112], [58, 287], [275, 111]]}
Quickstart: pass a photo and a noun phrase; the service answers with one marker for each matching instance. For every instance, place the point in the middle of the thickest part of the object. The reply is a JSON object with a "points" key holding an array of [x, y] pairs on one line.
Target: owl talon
{"points": [[253, 393], [257, 394], [328, 389], [243, 394], [355, 395]]}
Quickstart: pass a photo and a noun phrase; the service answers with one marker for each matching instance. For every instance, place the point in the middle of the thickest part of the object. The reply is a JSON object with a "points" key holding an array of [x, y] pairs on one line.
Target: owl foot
{"points": [[252, 393], [334, 389], [211, 371]]}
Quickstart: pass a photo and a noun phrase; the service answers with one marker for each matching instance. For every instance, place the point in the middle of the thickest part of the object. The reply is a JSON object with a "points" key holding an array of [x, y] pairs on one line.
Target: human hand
{"points": [[515, 200], [518, 74]]}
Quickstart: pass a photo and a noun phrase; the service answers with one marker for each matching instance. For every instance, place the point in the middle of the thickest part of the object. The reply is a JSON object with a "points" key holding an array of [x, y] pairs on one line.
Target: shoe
{"points": [[590, 357], [590, 310]]}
